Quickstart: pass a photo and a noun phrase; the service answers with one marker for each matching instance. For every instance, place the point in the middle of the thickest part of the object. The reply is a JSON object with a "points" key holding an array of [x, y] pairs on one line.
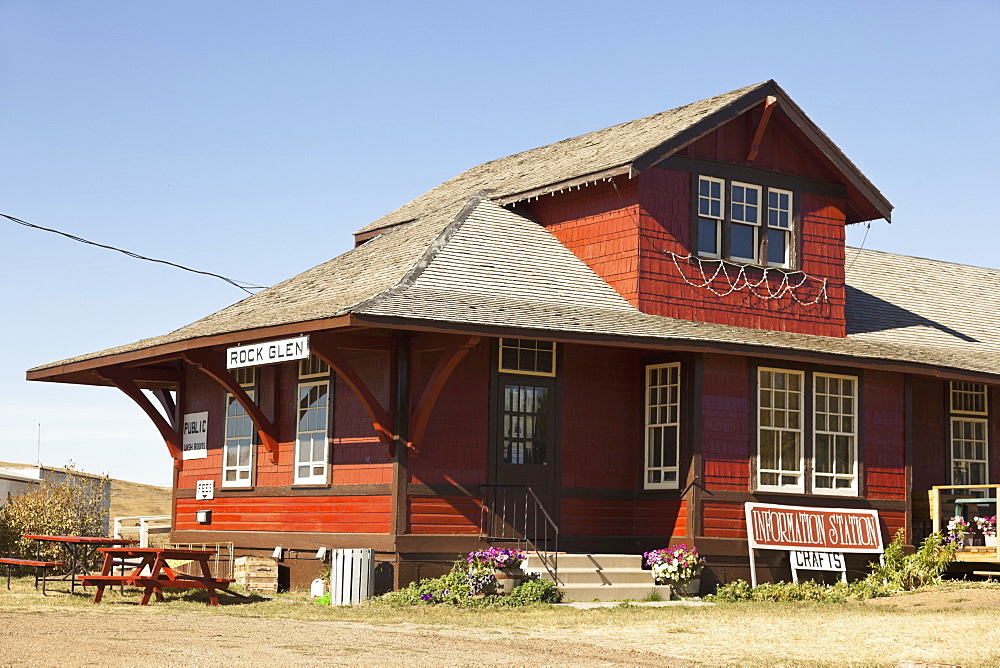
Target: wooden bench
{"points": [[39, 566], [987, 574], [156, 585]]}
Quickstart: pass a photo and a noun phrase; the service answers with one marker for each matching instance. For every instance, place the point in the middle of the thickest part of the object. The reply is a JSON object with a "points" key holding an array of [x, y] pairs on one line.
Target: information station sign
{"points": [[811, 529]]}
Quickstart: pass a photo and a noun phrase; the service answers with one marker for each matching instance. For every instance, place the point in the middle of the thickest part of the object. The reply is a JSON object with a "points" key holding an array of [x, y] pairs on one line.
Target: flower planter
{"points": [[689, 588], [507, 580], [990, 541]]}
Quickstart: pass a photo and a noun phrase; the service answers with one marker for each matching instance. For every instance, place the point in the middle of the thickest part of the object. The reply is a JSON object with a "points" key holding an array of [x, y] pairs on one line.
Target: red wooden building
{"points": [[649, 325]]}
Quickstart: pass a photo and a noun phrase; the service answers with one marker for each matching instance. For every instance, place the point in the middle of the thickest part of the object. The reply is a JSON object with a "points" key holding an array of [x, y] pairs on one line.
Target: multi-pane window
{"points": [[710, 216], [311, 442], [662, 426], [834, 434], [780, 428], [779, 226], [744, 217], [238, 439], [527, 356], [969, 434], [526, 414], [744, 222]]}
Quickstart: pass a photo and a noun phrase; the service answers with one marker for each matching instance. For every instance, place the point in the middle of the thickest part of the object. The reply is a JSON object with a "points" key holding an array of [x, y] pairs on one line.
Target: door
{"points": [[524, 452]]}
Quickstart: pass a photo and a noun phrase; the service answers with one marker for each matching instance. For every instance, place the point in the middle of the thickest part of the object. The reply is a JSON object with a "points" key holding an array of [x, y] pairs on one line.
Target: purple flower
{"points": [[426, 597]]}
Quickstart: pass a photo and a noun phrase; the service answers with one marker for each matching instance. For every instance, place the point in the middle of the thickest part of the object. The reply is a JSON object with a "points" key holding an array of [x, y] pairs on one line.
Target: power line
{"points": [[242, 285]]}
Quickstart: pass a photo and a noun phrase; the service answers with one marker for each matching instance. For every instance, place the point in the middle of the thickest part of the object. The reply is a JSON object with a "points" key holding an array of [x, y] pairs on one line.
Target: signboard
{"points": [[817, 561], [773, 527], [269, 352], [204, 490], [194, 440]]}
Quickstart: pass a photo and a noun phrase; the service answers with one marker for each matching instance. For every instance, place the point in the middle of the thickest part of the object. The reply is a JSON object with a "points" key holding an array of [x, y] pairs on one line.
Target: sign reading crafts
{"points": [[809, 532], [269, 352]]}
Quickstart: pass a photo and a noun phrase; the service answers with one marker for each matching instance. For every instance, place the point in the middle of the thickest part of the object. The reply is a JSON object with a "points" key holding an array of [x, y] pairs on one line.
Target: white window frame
{"points": [[785, 229], [840, 431], [963, 415], [709, 216], [313, 478], [655, 425], [755, 225], [231, 440], [524, 372], [800, 471]]}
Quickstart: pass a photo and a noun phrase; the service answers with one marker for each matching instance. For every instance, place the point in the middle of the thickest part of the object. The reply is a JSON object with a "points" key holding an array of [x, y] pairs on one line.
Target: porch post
{"points": [[401, 427]]}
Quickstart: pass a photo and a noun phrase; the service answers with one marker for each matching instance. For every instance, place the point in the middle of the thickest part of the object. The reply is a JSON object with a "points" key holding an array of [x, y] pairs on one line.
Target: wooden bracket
{"points": [[421, 413], [169, 406], [265, 428], [380, 419], [769, 105], [121, 379]]}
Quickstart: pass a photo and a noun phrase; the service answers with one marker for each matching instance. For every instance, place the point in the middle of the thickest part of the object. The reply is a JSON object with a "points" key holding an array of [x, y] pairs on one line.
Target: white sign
{"points": [[269, 352], [817, 561], [194, 440], [204, 490]]}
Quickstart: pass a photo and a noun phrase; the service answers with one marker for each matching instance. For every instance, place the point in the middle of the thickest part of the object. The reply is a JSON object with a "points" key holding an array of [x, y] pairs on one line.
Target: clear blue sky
{"points": [[251, 138]]}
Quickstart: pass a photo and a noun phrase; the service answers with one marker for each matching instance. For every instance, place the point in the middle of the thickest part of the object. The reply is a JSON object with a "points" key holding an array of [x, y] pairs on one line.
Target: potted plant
{"points": [[679, 566], [988, 527], [503, 564], [958, 530]]}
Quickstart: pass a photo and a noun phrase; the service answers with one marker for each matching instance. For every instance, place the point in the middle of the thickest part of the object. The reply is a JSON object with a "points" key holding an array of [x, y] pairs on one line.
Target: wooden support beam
{"points": [[380, 419], [171, 437], [219, 373], [758, 136], [169, 406], [421, 413]]}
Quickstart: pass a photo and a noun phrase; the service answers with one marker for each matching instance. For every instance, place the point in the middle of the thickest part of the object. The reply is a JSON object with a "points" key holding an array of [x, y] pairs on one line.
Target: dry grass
{"points": [[946, 626], [130, 499]]}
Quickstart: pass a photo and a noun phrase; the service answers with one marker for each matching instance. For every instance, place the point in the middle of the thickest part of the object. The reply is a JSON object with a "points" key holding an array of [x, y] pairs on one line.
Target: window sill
{"points": [[236, 488], [311, 485], [745, 265]]}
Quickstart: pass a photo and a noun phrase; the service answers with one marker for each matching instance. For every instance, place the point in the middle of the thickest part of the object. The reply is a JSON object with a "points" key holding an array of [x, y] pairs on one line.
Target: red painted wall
{"points": [[445, 515], [599, 223], [725, 443], [339, 514], [883, 441]]}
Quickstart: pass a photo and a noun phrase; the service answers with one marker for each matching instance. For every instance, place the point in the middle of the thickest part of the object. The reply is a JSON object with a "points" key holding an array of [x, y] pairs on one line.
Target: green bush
{"points": [[900, 572], [460, 589], [70, 506]]}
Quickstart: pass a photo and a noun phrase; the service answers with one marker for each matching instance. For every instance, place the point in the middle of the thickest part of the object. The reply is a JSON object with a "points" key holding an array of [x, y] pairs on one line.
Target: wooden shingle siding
{"points": [[725, 448], [661, 517], [445, 515], [723, 520], [335, 514], [884, 436]]}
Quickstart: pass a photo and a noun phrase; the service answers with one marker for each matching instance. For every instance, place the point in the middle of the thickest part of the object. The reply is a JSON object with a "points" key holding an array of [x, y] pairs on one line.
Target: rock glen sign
{"points": [[638, 331]]}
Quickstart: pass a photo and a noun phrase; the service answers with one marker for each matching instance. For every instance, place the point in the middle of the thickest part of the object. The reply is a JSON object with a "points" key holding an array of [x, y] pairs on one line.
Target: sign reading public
{"points": [[194, 440], [772, 527], [269, 352], [817, 561]]}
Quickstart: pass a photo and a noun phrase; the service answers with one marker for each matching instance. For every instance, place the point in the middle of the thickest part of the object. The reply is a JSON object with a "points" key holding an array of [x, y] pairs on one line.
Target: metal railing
{"points": [[948, 501], [515, 514]]}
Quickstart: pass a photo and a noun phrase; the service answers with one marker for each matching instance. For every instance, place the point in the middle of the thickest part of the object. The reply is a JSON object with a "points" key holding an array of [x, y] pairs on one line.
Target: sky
{"points": [[251, 138]]}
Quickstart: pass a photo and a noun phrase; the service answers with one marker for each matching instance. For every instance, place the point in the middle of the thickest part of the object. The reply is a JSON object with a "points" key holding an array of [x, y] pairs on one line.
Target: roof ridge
{"points": [[410, 277], [920, 257]]}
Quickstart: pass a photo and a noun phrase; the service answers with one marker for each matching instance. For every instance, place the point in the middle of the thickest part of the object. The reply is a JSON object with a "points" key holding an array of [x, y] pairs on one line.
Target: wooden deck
{"points": [[987, 555]]}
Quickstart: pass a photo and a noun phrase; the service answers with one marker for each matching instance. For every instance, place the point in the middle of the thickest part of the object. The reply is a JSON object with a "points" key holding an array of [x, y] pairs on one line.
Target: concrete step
{"points": [[589, 561], [585, 593], [604, 576]]}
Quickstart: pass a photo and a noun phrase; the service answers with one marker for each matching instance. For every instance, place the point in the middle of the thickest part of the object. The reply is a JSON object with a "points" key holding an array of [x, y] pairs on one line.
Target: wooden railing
{"points": [[948, 501], [513, 513]]}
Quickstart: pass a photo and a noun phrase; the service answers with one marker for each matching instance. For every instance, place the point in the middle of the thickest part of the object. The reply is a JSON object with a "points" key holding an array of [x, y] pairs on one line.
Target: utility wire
{"points": [[242, 285]]}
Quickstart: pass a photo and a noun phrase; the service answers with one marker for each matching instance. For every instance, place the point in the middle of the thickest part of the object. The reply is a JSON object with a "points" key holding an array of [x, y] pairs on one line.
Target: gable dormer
{"points": [[738, 219]]}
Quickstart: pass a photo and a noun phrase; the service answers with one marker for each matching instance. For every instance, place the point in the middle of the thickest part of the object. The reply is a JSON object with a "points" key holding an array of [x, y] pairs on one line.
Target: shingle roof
{"points": [[479, 265], [621, 147]]}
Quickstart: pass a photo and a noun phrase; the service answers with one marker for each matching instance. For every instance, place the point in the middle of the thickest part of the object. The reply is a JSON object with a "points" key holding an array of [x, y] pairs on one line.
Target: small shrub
{"points": [[533, 590], [455, 589], [900, 572]]}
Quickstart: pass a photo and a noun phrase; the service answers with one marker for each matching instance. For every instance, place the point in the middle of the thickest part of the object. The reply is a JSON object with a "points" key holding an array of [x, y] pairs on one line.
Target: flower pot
{"points": [[990, 541], [507, 580], [689, 588]]}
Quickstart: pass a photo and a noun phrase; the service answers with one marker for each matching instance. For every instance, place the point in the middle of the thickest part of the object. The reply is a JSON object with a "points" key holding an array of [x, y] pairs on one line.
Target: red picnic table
{"points": [[152, 573], [77, 547]]}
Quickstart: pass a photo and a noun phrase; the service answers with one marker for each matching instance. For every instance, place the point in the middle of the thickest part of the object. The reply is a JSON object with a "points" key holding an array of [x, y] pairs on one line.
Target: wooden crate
{"points": [[257, 573]]}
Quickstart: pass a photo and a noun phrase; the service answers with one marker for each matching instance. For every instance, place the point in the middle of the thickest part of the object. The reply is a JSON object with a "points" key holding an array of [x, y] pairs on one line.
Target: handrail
{"points": [[504, 513], [935, 502]]}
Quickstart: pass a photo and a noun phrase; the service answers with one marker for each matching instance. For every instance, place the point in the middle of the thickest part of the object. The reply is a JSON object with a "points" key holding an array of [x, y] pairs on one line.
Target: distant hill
{"points": [[128, 499]]}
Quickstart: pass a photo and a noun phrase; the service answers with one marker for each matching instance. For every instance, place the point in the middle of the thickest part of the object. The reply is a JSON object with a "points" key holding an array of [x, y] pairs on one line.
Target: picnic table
{"points": [[152, 573], [79, 549]]}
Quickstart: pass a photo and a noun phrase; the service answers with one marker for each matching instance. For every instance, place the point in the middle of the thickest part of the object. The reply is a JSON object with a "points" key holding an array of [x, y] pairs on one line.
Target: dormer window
{"points": [[744, 223]]}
